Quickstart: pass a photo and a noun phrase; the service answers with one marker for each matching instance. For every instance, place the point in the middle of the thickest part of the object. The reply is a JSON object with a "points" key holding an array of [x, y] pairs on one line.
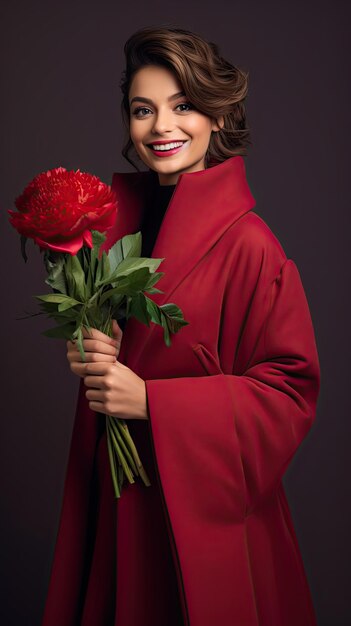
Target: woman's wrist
{"points": [[144, 415]]}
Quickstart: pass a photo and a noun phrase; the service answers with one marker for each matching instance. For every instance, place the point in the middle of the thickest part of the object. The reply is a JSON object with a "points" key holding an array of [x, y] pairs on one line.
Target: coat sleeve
{"points": [[223, 442]]}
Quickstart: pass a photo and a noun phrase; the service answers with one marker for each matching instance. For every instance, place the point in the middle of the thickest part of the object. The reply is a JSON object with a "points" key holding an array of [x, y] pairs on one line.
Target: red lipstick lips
{"points": [[166, 152]]}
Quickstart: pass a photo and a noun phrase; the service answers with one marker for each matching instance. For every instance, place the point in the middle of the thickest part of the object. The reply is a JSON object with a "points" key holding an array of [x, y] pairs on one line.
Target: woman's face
{"points": [[161, 115]]}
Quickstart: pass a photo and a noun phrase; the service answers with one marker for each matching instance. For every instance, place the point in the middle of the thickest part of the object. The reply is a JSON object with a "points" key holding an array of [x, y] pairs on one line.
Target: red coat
{"points": [[229, 403]]}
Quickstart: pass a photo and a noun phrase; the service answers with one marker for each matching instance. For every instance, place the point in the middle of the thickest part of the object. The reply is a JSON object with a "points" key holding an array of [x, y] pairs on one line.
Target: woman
{"points": [[216, 417]]}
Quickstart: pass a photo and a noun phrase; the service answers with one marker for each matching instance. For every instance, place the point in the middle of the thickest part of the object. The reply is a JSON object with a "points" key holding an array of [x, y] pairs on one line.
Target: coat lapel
{"points": [[203, 206]]}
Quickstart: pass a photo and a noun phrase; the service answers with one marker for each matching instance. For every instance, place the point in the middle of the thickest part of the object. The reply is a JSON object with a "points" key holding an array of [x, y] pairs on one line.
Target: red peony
{"points": [[59, 208]]}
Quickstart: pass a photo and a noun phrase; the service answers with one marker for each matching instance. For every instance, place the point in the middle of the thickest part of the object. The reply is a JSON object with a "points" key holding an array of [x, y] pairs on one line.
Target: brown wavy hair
{"points": [[214, 86]]}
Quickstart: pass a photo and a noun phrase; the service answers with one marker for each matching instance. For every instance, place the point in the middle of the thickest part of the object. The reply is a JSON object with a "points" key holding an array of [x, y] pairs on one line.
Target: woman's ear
{"points": [[218, 123]]}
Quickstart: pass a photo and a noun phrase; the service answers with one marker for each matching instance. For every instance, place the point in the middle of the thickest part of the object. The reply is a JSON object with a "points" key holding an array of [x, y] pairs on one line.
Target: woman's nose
{"points": [[163, 122]]}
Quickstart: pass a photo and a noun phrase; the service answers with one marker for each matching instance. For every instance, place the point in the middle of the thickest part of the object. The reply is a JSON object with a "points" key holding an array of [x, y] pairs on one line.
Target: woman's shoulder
{"points": [[251, 240]]}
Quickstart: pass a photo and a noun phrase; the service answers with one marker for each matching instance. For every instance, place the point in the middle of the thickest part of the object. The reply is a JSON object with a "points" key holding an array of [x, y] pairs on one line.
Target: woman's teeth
{"points": [[167, 146]]}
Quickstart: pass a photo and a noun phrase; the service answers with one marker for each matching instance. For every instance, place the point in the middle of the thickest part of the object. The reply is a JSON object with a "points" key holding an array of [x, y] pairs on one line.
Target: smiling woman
{"points": [[171, 121], [218, 416], [201, 90]]}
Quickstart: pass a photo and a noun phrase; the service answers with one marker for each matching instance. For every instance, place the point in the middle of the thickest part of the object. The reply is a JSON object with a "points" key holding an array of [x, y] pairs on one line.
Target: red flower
{"points": [[59, 208]]}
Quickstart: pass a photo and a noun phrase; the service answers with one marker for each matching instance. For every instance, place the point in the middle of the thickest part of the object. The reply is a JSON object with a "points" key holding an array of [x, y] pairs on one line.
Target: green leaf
{"points": [[128, 285], [81, 257], [111, 292], [135, 281], [153, 290], [153, 279], [116, 303], [54, 311], [75, 278], [68, 314], [55, 297], [57, 280], [116, 299], [89, 285], [54, 264], [53, 259], [97, 239], [166, 336], [131, 245], [52, 307], [67, 304], [154, 311], [169, 316], [130, 265], [115, 255], [98, 273], [127, 266], [138, 309], [69, 275], [102, 269], [105, 272], [127, 246], [174, 316], [84, 255]]}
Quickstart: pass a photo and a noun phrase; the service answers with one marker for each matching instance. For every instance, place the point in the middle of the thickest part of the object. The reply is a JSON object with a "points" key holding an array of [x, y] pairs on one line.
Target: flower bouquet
{"points": [[67, 214]]}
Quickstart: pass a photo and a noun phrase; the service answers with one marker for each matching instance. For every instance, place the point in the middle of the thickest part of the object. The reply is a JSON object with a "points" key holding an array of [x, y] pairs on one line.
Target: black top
{"points": [[152, 220], [153, 216]]}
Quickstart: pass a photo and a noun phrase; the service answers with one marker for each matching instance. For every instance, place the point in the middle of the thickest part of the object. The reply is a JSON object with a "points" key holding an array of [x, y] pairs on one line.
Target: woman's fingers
{"points": [[78, 367], [92, 345], [94, 333], [91, 357], [75, 360], [97, 347]]}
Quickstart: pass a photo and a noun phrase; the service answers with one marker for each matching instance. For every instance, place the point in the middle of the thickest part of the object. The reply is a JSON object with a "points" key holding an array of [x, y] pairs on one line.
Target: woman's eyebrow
{"points": [[149, 101]]}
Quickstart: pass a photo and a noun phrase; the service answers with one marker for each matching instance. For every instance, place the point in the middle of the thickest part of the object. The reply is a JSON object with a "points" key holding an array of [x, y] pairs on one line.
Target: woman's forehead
{"points": [[153, 78]]}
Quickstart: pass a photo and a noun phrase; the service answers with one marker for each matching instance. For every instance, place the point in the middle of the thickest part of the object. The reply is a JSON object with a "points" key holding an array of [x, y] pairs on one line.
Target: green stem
{"points": [[120, 475], [112, 462], [127, 470], [94, 297], [121, 442], [123, 428]]}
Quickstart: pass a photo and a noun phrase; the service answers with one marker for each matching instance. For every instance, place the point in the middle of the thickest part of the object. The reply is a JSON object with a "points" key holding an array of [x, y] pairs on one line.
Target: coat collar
{"points": [[203, 206]]}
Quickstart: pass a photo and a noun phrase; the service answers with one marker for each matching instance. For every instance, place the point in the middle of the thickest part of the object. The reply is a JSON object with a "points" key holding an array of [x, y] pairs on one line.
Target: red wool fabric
{"points": [[212, 540]]}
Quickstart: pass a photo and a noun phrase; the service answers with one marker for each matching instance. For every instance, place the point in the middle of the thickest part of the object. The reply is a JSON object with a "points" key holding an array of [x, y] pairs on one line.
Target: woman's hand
{"points": [[114, 389], [97, 347]]}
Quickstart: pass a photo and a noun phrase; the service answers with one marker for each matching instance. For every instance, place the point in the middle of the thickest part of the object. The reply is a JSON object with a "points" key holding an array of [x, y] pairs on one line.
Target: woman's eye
{"points": [[185, 104], [138, 110]]}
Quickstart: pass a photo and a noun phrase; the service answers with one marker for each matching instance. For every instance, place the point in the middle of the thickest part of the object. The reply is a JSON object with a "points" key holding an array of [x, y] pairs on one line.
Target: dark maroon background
{"points": [[61, 66]]}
